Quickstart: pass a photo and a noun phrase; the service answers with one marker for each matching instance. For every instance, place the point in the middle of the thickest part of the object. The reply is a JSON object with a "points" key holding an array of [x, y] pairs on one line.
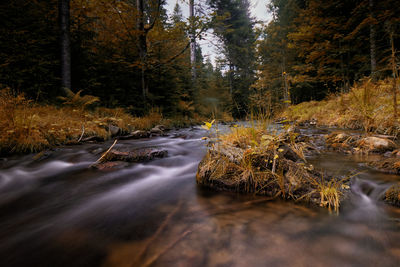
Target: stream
{"points": [[56, 211]]}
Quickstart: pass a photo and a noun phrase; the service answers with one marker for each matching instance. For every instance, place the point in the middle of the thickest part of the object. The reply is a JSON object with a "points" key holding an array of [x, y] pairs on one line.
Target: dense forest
{"points": [[133, 54]]}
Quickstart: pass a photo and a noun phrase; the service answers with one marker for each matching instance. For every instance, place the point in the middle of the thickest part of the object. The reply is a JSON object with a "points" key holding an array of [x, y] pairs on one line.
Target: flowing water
{"points": [[56, 211]]}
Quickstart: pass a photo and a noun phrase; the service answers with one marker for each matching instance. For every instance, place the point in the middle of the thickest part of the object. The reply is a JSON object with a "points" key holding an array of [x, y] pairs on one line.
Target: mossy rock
{"points": [[388, 165], [270, 173], [392, 195]]}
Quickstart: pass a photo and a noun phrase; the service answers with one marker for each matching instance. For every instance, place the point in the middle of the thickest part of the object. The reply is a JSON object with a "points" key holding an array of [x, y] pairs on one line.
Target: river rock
{"points": [[42, 155], [396, 153], [136, 155], [293, 129], [161, 127], [157, 130], [338, 137], [392, 195], [376, 144], [114, 130], [135, 135], [388, 165]]}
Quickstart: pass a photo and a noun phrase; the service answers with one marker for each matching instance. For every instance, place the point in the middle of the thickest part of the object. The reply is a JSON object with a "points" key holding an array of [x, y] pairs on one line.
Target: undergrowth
{"points": [[29, 127], [368, 106]]}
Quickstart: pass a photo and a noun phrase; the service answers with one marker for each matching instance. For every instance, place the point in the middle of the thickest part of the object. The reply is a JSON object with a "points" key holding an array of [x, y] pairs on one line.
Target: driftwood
{"points": [[104, 154]]}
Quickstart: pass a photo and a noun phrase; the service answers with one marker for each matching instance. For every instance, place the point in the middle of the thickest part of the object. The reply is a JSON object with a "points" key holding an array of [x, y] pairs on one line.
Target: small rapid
{"points": [[56, 211]]}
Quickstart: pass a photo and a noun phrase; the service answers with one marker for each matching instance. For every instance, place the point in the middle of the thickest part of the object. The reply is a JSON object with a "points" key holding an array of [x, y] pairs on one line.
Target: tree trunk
{"points": [[64, 14], [230, 76], [192, 41], [142, 44], [394, 70], [372, 38]]}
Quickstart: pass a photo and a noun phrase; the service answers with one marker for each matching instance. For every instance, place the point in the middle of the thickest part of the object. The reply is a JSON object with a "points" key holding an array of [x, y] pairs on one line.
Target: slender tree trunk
{"points": [[372, 38], [230, 79], [142, 44], [394, 70], [192, 41], [64, 14]]}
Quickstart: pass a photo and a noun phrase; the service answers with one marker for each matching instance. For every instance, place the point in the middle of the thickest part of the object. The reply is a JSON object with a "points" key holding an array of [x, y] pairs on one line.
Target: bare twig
{"points": [[83, 132], [105, 153]]}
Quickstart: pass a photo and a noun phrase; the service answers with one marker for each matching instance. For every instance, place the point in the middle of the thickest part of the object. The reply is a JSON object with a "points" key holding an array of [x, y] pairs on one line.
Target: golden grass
{"points": [[368, 106], [263, 168], [29, 127]]}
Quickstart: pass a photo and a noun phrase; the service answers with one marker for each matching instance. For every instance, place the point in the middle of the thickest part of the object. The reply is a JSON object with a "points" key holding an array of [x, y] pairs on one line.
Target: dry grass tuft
{"points": [[252, 160]]}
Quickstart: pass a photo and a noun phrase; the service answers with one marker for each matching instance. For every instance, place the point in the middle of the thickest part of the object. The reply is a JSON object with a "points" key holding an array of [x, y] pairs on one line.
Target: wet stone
{"points": [[135, 135], [114, 130], [135, 156]]}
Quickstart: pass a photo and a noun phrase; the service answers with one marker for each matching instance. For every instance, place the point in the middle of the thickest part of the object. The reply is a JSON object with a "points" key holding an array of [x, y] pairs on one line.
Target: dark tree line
{"points": [[128, 53], [322, 47]]}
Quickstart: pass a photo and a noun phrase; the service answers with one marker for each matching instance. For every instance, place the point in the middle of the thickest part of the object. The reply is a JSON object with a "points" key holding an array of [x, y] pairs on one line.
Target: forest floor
{"points": [[28, 127], [368, 106]]}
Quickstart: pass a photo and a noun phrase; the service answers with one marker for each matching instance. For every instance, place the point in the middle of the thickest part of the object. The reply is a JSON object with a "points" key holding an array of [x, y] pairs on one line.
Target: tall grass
{"points": [[368, 106], [29, 127]]}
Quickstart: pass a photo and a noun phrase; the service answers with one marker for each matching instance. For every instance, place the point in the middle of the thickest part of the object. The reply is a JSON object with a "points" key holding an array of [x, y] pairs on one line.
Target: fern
{"points": [[78, 101]]}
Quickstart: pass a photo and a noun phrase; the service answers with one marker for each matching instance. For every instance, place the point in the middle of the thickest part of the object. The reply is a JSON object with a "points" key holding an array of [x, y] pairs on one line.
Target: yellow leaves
{"points": [[345, 186], [208, 125], [280, 150], [276, 156]]}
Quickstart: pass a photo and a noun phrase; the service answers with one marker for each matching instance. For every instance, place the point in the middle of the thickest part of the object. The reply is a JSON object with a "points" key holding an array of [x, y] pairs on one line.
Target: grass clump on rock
{"points": [[252, 160], [392, 195]]}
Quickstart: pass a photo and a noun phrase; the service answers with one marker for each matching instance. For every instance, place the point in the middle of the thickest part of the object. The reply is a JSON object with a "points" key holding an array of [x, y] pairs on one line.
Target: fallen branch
{"points": [[105, 153]]}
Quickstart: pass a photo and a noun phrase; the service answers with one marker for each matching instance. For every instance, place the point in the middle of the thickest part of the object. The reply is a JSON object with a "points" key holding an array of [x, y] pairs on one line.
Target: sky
{"points": [[258, 10]]}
